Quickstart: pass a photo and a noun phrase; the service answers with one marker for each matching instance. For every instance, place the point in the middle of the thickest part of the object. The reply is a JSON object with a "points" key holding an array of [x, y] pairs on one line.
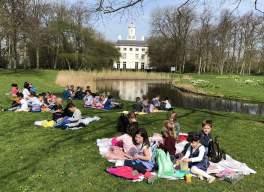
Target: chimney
{"points": [[119, 37], [143, 38]]}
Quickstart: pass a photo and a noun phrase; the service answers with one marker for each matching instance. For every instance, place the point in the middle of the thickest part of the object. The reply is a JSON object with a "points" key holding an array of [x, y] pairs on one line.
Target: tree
{"points": [[174, 26]]}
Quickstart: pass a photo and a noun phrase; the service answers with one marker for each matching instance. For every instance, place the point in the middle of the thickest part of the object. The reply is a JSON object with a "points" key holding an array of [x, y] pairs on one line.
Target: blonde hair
{"points": [[169, 130]]}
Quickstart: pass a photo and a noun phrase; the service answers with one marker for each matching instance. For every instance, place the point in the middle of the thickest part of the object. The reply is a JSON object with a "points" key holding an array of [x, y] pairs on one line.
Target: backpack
{"points": [[215, 154], [122, 123]]}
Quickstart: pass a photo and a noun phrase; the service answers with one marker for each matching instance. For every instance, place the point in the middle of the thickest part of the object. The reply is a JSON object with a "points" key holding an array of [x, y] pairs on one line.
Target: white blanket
{"points": [[214, 168], [229, 163]]}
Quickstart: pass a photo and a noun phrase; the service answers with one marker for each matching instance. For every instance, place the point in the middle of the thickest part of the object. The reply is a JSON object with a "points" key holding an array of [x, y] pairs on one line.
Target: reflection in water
{"points": [[129, 90], [125, 89]]}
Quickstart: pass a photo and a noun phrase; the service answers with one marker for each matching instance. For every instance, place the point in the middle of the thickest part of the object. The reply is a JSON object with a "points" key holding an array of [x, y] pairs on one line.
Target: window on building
{"points": [[124, 65], [131, 49], [123, 55], [143, 56], [137, 56], [118, 65], [124, 49], [143, 49], [136, 49], [142, 66], [136, 65]]}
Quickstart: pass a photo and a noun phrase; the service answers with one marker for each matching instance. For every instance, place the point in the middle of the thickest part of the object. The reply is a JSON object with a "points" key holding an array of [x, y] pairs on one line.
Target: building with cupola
{"points": [[134, 52]]}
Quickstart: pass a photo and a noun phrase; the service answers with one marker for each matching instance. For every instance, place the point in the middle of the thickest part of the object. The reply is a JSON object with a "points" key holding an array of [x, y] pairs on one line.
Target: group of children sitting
{"points": [[27, 100], [151, 105], [71, 93], [137, 152], [90, 99]]}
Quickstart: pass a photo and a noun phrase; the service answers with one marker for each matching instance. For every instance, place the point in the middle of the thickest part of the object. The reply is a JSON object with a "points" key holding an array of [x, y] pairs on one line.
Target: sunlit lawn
{"points": [[44, 159]]}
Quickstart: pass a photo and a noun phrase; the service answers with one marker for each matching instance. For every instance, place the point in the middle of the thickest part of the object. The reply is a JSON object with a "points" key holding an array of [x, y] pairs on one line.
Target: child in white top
{"points": [[197, 159]]}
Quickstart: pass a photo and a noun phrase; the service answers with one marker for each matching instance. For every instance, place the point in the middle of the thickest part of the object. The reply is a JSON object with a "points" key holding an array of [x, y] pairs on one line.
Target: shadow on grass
{"points": [[43, 153]]}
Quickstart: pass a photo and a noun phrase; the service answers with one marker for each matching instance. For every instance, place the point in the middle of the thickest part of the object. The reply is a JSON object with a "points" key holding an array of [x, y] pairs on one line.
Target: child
{"points": [[34, 103], [151, 107], [15, 103], [176, 124], [138, 106], [88, 88], [14, 90], [145, 104], [57, 109], [206, 136], [51, 99], [167, 104], [26, 92], [141, 160], [197, 159], [23, 103], [67, 93], [156, 102], [108, 104], [77, 115], [32, 89], [169, 140], [79, 93], [88, 99], [72, 91], [169, 129]]}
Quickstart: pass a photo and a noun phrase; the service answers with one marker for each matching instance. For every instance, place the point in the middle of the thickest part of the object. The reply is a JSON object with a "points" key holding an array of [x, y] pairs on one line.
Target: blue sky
{"points": [[112, 25]]}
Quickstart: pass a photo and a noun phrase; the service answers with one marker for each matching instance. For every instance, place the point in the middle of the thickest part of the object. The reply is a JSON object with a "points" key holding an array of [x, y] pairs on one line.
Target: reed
{"points": [[84, 78]]}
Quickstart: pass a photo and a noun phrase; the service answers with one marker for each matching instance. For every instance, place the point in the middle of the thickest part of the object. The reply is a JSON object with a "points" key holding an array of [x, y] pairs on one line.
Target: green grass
{"points": [[229, 86], [45, 159]]}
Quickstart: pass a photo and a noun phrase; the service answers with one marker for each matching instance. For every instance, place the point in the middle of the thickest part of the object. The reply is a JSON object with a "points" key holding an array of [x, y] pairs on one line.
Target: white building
{"points": [[134, 53]]}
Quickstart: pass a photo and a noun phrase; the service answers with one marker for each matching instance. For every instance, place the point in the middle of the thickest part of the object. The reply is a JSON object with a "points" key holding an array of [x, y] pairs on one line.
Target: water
{"points": [[130, 89]]}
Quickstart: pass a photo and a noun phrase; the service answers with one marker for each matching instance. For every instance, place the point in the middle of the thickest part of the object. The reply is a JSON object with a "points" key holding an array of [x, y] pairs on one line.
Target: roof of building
{"points": [[135, 43]]}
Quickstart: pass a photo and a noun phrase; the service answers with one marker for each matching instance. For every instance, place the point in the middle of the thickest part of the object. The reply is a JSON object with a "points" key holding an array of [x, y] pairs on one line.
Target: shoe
{"points": [[150, 177], [211, 179], [201, 177]]}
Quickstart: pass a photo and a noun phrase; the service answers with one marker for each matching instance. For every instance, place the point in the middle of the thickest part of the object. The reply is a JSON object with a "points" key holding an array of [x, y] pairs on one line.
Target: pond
{"points": [[130, 89]]}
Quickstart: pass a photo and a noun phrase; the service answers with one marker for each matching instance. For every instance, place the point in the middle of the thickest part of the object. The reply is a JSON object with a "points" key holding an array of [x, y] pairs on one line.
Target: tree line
{"points": [[42, 34], [199, 42]]}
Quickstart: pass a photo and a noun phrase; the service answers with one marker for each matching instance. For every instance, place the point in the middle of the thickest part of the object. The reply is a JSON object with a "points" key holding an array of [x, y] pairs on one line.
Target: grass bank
{"points": [[249, 88]]}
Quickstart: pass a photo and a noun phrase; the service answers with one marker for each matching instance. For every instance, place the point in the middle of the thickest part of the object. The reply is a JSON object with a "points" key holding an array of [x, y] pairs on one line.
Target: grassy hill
{"points": [[45, 159]]}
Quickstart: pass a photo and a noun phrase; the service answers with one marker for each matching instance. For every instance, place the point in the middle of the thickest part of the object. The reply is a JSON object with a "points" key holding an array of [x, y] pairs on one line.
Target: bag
{"points": [[215, 154], [165, 167], [122, 123]]}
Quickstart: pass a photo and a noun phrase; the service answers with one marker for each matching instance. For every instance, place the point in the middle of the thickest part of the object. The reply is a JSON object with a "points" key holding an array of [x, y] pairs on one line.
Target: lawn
{"points": [[230, 86], [44, 159]]}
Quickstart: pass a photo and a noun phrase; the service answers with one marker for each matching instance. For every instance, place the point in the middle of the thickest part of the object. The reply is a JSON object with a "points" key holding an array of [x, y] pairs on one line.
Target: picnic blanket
{"points": [[70, 126], [230, 164]]}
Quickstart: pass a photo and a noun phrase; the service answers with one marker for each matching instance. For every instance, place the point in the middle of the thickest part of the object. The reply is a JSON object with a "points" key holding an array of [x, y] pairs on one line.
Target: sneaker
{"points": [[152, 179], [201, 177], [211, 179]]}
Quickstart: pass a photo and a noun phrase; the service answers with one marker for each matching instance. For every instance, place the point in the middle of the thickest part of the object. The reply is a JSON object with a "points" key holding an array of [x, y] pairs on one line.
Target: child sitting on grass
{"points": [[197, 159], [14, 90], [138, 106], [141, 161], [57, 109], [206, 136], [23, 103], [88, 99], [176, 124], [76, 116], [169, 139]]}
